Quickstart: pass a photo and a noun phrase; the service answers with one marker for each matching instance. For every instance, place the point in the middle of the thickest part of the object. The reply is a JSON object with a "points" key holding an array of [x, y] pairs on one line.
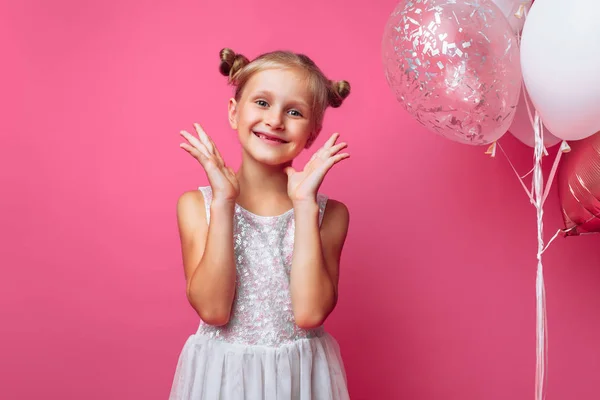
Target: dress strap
{"points": [[207, 194]]}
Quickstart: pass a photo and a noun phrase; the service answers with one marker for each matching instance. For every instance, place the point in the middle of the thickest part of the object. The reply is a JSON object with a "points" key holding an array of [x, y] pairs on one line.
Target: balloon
{"points": [[454, 66], [522, 129], [514, 11], [560, 66], [579, 186]]}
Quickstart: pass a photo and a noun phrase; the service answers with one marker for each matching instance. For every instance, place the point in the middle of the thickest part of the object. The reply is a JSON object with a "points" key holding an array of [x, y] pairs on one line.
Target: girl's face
{"points": [[272, 116]]}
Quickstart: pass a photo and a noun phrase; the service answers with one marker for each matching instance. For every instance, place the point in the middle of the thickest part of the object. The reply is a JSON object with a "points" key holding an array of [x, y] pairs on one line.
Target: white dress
{"points": [[261, 353]]}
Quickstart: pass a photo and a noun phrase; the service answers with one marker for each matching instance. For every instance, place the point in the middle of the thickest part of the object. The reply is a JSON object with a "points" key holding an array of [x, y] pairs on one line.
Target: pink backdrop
{"points": [[437, 286]]}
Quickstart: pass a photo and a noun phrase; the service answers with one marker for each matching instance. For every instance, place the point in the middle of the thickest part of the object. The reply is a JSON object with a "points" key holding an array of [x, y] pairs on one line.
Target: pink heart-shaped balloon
{"points": [[579, 186]]}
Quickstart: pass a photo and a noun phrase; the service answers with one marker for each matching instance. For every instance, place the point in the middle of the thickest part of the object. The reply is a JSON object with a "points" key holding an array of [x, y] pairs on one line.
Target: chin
{"points": [[271, 159]]}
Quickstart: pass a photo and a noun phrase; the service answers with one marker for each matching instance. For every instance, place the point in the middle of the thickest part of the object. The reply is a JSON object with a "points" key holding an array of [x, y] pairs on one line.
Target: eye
{"points": [[295, 113], [262, 103]]}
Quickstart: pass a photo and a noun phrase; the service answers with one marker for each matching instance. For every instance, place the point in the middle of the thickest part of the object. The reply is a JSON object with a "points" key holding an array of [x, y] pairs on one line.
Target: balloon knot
{"points": [[491, 150]]}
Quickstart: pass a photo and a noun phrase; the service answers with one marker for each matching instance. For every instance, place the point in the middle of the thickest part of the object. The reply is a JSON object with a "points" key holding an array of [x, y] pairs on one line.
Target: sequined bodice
{"points": [[262, 307]]}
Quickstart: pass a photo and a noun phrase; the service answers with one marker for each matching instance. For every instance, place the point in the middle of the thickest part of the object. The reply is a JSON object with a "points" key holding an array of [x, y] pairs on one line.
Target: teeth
{"points": [[262, 136]]}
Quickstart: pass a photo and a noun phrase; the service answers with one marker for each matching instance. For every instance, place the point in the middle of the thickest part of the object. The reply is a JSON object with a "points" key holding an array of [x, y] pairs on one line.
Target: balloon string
{"points": [[540, 292], [552, 240], [527, 174], [533, 124], [537, 187], [517, 174], [529, 113], [552, 174]]}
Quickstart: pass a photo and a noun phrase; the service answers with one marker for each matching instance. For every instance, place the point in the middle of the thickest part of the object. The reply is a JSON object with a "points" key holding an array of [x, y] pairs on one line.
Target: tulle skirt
{"points": [[307, 369]]}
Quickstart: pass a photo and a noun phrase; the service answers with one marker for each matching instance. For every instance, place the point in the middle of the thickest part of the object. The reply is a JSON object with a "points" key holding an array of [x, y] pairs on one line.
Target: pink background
{"points": [[437, 287]]}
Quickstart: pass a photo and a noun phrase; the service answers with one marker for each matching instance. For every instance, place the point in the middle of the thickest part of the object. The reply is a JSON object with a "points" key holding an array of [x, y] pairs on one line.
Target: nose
{"points": [[274, 119]]}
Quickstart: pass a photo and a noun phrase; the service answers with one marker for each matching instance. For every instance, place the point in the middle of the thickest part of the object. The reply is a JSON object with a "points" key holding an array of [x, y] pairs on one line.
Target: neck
{"points": [[261, 183]]}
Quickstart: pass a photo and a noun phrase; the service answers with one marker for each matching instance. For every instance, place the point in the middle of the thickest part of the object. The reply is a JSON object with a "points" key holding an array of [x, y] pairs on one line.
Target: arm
{"points": [[207, 250], [315, 263], [208, 257]]}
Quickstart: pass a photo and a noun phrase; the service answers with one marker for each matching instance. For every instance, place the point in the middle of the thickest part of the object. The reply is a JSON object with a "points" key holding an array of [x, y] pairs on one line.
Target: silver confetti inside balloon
{"points": [[454, 66]]}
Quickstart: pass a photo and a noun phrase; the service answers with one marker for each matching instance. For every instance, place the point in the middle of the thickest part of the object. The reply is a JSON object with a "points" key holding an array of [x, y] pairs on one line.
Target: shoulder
{"points": [[191, 209], [336, 217], [190, 200], [336, 209]]}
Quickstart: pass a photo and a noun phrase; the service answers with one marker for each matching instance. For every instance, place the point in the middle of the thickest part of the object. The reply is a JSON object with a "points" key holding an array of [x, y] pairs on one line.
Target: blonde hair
{"points": [[326, 93]]}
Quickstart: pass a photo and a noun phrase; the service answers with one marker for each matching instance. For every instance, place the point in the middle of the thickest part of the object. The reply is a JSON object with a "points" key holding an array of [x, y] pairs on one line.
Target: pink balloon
{"points": [[522, 129], [454, 66], [579, 186]]}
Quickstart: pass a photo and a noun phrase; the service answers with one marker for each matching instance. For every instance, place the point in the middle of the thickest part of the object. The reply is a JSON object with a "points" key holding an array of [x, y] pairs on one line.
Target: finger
{"points": [[334, 160], [204, 138], [320, 172], [331, 141], [337, 148], [216, 151], [231, 171], [231, 177], [195, 143], [209, 143], [289, 171], [194, 152]]}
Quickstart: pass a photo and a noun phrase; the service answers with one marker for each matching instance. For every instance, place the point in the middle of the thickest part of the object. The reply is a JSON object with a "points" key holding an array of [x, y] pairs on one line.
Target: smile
{"points": [[270, 139]]}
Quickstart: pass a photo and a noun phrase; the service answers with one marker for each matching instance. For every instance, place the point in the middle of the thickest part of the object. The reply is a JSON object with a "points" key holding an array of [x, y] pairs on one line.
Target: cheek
{"points": [[301, 130], [249, 116]]}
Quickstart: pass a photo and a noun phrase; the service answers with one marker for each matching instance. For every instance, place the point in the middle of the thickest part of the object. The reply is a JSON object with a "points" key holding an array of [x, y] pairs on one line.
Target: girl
{"points": [[261, 247]]}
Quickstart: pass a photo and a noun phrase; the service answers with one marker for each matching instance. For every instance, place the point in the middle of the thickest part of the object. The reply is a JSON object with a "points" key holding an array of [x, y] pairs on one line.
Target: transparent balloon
{"points": [[515, 12], [454, 66]]}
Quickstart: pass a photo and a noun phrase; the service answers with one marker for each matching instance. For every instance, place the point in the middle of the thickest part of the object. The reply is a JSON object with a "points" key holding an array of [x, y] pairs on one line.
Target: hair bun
{"points": [[339, 91], [231, 62]]}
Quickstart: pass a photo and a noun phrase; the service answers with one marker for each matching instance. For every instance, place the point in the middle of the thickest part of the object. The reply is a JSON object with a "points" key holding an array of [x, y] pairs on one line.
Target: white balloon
{"points": [[514, 11], [560, 61], [522, 128]]}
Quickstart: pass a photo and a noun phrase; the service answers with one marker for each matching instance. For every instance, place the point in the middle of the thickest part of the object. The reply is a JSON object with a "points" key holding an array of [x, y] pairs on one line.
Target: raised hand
{"points": [[223, 182], [304, 185]]}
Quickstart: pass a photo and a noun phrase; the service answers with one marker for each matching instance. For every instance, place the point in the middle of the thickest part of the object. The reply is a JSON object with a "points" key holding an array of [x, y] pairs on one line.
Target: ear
{"points": [[232, 112]]}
